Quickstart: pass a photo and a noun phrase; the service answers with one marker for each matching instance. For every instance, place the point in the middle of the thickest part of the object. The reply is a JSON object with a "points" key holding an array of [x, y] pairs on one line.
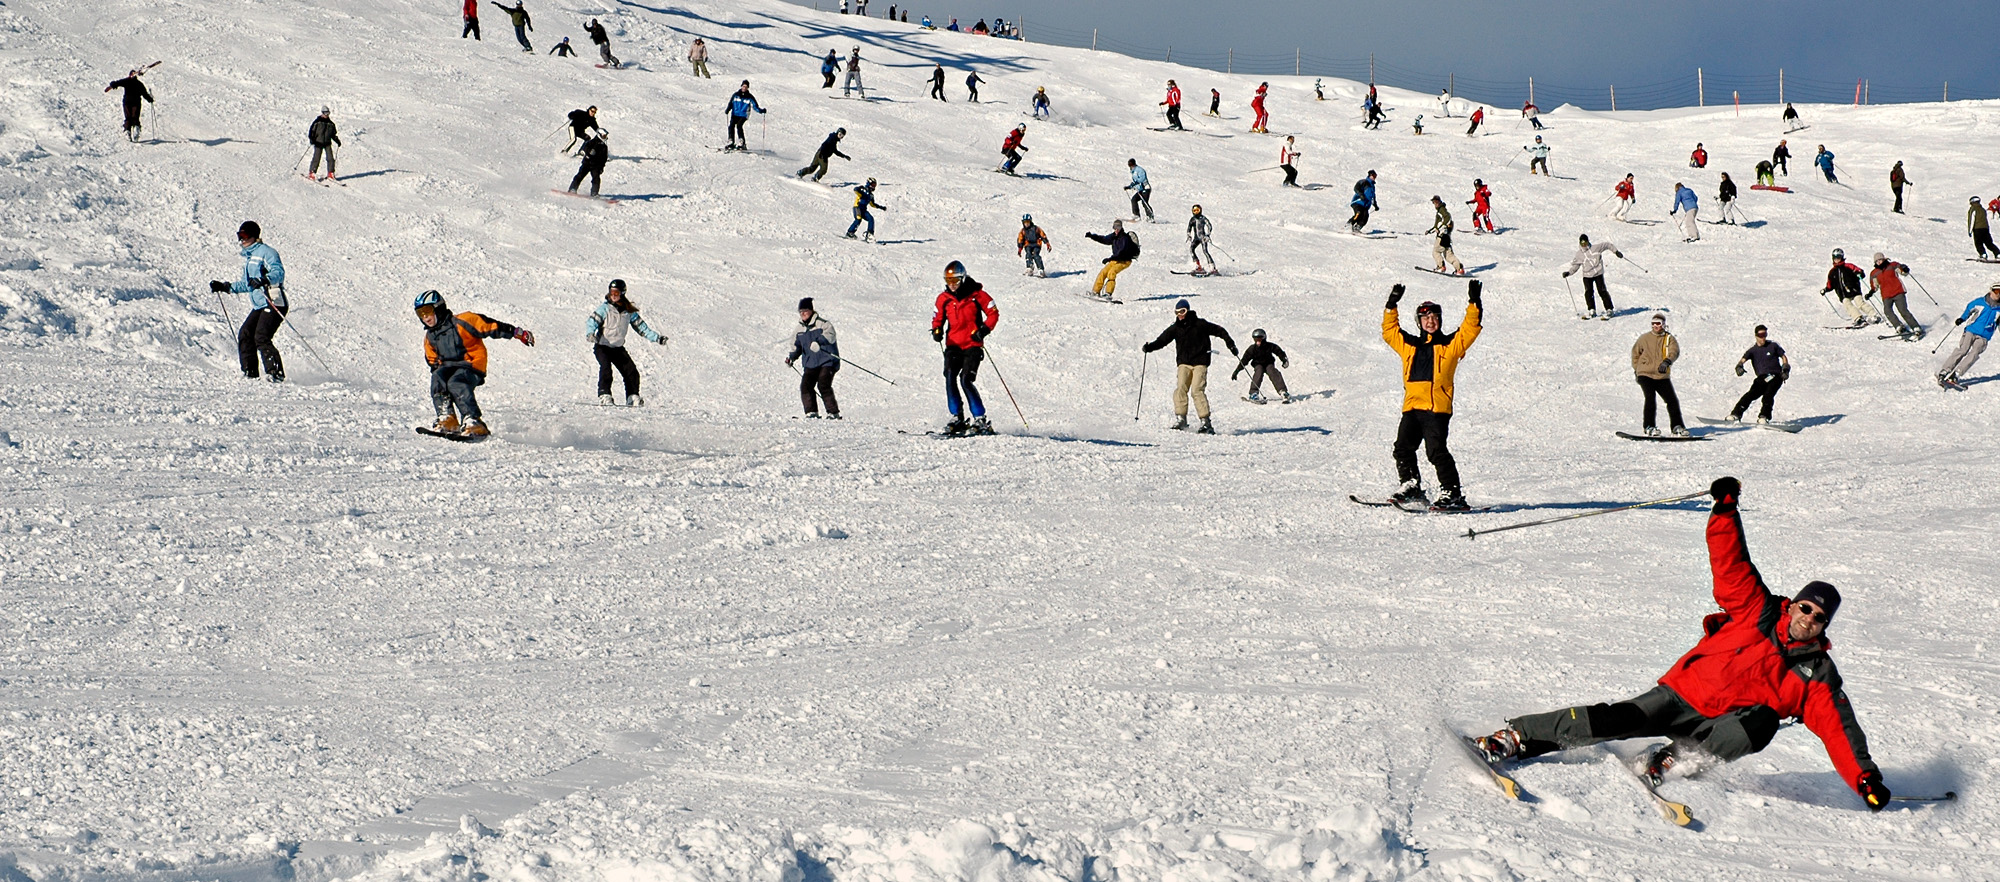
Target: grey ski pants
{"points": [[1659, 712], [1970, 347], [452, 385], [1899, 314], [1259, 371]]}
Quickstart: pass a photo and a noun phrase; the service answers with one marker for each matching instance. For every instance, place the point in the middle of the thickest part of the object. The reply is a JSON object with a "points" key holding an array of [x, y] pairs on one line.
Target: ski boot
{"points": [[1652, 432], [979, 426], [1763, 421], [867, 237], [633, 400], [1656, 767], [1450, 499], [1207, 428], [1287, 397], [812, 414], [604, 398], [955, 428], [1180, 422], [1257, 397], [1680, 431], [1500, 746], [473, 428], [851, 236], [833, 415], [1412, 493], [446, 422]]}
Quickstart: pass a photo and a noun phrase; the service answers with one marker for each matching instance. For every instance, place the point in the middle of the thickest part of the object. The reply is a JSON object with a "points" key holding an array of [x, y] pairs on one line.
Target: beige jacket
{"points": [[1654, 353]]}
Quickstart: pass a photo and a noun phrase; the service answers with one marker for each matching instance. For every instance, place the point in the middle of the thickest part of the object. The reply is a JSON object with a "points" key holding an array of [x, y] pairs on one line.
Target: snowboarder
{"points": [[972, 82], [1977, 225], [815, 343], [1824, 159], [606, 332], [1781, 156], [1653, 356], [864, 198], [937, 82], [1440, 230], [457, 360], [1198, 233], [828, 68], [963, 315], [1041, 102], [1685, 208], [1540, 152], [1897, 181], [1124, 250], [1766, 175], [1173, 106], [1478, 116], [1589, 260], [1628, 194], [1533, 114], [1725, 194], [592, 156], [1142, 190], [1362, 203], [518, 13], [697, 53], [1699, 158], [1482, 206], [1417, 125], [1844, 280], [1215, 102], [263, 278], [739, 107], [135, 92], [1261, 124], [1263, 358], [1189, 335], [581, 124], [1029, 244], [471, 21], [1773, 368], [697, 57], [853, 81], [1430, 360], [828, 149], [1012, 148], [1791, 118], [1982, 313], [1762, 659], [562, 49], [1885, 282], [1287, 156], [322, 135]]}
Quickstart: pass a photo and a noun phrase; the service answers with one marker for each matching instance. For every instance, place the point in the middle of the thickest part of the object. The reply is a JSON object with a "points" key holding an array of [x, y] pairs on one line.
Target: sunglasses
{"points": [[1763, 334], [1811, 612]]}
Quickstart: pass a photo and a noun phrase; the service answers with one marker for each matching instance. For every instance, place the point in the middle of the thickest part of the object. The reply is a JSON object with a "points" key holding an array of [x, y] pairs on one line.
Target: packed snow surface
{"points": [[266, 632]]}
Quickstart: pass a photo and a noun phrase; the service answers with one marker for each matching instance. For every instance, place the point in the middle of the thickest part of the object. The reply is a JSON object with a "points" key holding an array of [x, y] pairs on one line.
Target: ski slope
{"points": [[263, 632]]}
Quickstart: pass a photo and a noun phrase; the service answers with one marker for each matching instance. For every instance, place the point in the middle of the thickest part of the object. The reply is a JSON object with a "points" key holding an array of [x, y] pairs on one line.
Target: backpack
{"points": [[1135, 243]]}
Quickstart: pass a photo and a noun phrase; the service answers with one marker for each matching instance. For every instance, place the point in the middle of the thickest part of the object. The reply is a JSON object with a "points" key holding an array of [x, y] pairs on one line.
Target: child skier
{"points": [[1262, 122], [1627, 194], [1440, 229], [1198, 232], [606, 332], [457, 359], [1262, 358], [864, 197], [1041, 102], [1540, 152], [1029, 244], [1482, 206]]}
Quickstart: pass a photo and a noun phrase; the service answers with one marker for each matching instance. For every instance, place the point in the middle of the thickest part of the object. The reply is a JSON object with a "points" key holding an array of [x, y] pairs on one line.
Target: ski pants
{"points": [[317, 150], [1537, 121], [973, 93], [1690, 226], [1291, 175], [1263, 120], [132, 119], [1191, 381], [521, 34], [1360, 218], [1859, 309], [1660, 388], [1441, 252], [1474, 127], [1829, 174], [1013, 159], [861, 214], [471, 27], [1783, 164], [830, 77], [1142, 198], [820, 380], [1174, 116], [1541, 162], [1659, 712], [1433, 431], [736, 136], [1899, 200], [1198, 249], [817, 168], [1765, 387], [451, 387], [1960, 362], [253, 340], [604, 55], [1215, 107], [1107, 278], [596, 179], [961, 369], [1982, 242], [1624, 208], [1593, 288], [609, 357], [937, 90], [853, 82], [1034, 258], [1898, 312], [1482, 216], [1767, 179], [699, 65], [1259, 371]]}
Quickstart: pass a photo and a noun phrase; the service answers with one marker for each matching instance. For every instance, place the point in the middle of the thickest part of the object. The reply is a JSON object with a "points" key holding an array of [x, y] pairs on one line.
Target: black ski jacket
{"points": [[830, 147], [1123, 247], [322, 132], [580, 121], [595, 154], [1844, 280], [1727, 193], [1263, 354], [134, 90], [596, 32], [1190, 334]]}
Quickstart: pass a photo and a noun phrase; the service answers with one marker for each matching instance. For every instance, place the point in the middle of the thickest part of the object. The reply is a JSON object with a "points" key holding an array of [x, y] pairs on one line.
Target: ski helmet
{"points": [[325, 110], [250, 230], [1478, 183], [1839, 254], [1021, 127], [1583, 238], [842, 131], [955, 268], [1027, 218], [429, 302], [618, 285], [871, 183], [1257, 334], [1197, 209], [1431, 308]]}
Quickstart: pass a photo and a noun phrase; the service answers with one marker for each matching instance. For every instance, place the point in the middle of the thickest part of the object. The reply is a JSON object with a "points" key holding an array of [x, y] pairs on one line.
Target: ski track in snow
{"points": [[260, 632]]}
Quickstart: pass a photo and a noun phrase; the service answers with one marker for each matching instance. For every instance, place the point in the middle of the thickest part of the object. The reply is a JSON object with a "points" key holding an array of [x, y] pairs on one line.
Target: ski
{"points": [[1676, 812], [604, 199], [1643, 223], [1631, 437], [1983, 259], [1208, 274], [1002, 171], [1462, 275], [1842, 327], [1370, 235], [1770, 189], [1371, 503], [1951, 384], [1906, 337], [1268, 400], [1506, 782], [451, 436], [1430, 510]]}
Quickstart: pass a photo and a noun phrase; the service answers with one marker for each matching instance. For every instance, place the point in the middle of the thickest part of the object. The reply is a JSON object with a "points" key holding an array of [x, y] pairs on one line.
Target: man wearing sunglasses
{"points": [[1762, 660]]}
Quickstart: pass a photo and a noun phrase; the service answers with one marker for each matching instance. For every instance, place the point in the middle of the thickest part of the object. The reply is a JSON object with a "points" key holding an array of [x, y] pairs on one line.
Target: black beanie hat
{"points": [[1823, 595], [250, 230], [805, 303]]}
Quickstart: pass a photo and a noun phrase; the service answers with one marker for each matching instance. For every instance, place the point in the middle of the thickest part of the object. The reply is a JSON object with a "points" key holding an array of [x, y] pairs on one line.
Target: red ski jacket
{"points": [[1173, 96], [1482, 200], [1624, 190], [965, 311], [1746, 659], [1014, 138], [471, 8], [1886, 280]]}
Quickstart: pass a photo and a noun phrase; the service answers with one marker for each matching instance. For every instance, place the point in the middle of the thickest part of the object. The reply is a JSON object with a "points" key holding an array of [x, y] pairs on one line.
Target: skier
{"points": [[1781, 156], [1897, 181], [1444, 103], [1540, 152], [1699, 158], [972, 82], [1773, 368], [1589, 259], [697, 57], [1482, 206], [518, 13], [864, 197], [1012, 148], [471, 21], [1653, 356], [828, 149], [1215, 102], [937, 82], [964, 314], [1189, 335], [739, 107], [457, 360], [925, 23], [1287, 156], [1262, 122], [1766, 175], [1263, 358], [1363, 202], [562, 49], [814, 341], [1844, 280], [1173, 106], [1041, 102], [322, 135], [1373, 111], [1430, 360], [1478, 116], [1983, 313], [1791, 118], [1417, 125], [853, 81], [1198, 233], [827, 67], [606, 332], [1977, 226], [135, 92], [581, 124], [1534, 115], [1763, 658], [1319, 94], [1726, 195], [263, 278], [1142, 190], [1441, 228], [1824, 159], [697, 54], [1885, 281], [1628, 194], [1124, 250], [1029, 244], [1686, 206], [593, 155]]}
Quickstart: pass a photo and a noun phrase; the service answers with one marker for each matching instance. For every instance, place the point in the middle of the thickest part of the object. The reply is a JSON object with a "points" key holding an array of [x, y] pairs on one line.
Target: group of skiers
{"points": [[524, 23]]}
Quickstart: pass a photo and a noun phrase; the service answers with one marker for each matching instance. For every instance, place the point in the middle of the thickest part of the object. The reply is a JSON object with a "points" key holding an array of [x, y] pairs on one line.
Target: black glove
{"points": [[1617, 254], [1961, 320], [979, 333], [1785, 373], [1395, 294], [1472, 291], [219, 287], [1725, 489], [1236, 373], [1739, 368], [1874, 792], [1565, 274], [1232, 351], [937, 334]]}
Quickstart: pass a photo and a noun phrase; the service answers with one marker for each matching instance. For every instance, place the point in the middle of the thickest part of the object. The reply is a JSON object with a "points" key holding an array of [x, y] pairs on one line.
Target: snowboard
{"points": [[1984, 259], [604, 199], [1631, 437], [1792, 428], [1095, 298], [1464, 275], [451, 436], [1771, 188]]}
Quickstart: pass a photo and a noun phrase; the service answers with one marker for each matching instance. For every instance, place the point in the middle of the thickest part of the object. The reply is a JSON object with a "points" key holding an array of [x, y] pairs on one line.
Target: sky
{"points": [[1575, 49]]}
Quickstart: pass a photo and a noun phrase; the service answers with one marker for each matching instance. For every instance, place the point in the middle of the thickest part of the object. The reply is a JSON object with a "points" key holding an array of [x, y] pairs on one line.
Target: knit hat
{"points": [[1180, 304], [1583, 238], [1878, 258], [805, 303], [1822, 595]]}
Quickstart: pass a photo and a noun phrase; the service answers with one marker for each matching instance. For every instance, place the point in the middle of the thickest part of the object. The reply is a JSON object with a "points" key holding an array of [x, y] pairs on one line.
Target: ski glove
{"points": [[1725, 489], [1395, 294], [525, 336], [1961, 320], [1472, 290], [662, 341], [979, 333], [1874, 792], [1739, 369], [1617, 254], [1565, 274], [937, 334], [219, 287]]}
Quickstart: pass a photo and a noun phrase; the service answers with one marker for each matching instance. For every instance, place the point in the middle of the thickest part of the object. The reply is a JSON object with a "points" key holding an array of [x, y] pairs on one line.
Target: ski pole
{"points": [[1641, 268], [1143, 355], [282, 320], [1572, 294], [863, 370], [1588, 514], [1256, 170], [225, 308], [1003, 386], [1225, 251], [1948, 796], [1927, 291], [1836, 309], [1947, 336]]}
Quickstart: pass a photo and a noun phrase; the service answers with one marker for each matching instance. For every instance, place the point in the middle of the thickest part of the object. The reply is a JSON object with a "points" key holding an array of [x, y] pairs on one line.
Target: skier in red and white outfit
{"points": [[1257, 104], [1482, 206], [1478, 116], [1173, 105], [1287, 155], [1627, 194]]}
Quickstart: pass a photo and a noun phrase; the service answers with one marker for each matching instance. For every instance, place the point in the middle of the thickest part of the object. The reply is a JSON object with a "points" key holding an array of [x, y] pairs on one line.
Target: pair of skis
{"points": [[1414, 507], [1676, 812]]}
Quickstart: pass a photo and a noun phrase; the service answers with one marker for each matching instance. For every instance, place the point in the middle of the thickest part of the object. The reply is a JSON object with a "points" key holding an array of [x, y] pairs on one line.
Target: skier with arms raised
{"points": [[1430, 360]]}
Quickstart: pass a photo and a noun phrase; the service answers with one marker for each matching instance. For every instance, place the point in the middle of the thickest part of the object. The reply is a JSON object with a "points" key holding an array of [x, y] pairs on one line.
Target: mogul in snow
{"points": [[1430, 360], [1029, 244], [1189, 335], [1263, 358], [135, 92], [1653, 356], [457, 358], [1124, 250], [1199, 230], [606, 331], [814, 343], [1589, 260], [1844, 280], [1761, 660], [263, 278], [697, 53], [1440, 232], [828, 149], [322, 135], [864, 198], [1978, 320], [963, 315], [1142, 190], [1773, 368], [739, 107]]}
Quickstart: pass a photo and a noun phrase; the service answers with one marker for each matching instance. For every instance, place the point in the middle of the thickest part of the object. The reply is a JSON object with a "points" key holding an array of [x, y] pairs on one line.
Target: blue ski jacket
{"points": [[741, 103], [264, 278], [1364, 194], [1139, 181], [1824, 159], [1982, 324], [1685, 200]]}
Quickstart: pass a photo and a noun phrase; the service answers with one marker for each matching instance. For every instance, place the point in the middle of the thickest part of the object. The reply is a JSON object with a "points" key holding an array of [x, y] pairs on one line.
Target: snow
{"points": [[267, 632]]}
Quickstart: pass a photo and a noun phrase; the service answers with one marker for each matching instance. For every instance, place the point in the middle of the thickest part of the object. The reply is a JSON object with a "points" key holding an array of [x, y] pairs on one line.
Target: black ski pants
{"points": [[131, 116], [1433, 431], [961, 370], [829, 79], [1291, 175], [1759, 389], [1898, 189], [1360, 218], [1142, 198], [736, 136], [937, 89], [596, 178], [609, 357], [1593, 288], [1174, 116], [471, 27], [820, 380], [1661, 388], [1659, 712], [1982, 241], [1215, 107], [254, 340]]}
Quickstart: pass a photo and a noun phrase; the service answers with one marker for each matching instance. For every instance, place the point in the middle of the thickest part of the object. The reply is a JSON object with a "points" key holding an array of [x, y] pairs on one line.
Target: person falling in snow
{"points": [[1198, 233], [606, 329], [562, 49], [1189, 335], [457, 359], [961, 318], [1589, 260], [1263, 357], [1773, 368], [263, 278], [135, 92], [1440, 230], [814, 343], [1029, 244], [1430, 360]]}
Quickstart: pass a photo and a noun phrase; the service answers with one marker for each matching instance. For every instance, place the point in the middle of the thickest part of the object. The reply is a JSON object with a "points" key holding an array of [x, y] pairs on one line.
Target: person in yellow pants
{"points": [[1189, 335], [1124, 250]]}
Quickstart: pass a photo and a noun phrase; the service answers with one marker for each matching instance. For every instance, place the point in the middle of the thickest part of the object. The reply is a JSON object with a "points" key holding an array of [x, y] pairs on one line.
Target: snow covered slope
{"points": [[267, 632]]}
